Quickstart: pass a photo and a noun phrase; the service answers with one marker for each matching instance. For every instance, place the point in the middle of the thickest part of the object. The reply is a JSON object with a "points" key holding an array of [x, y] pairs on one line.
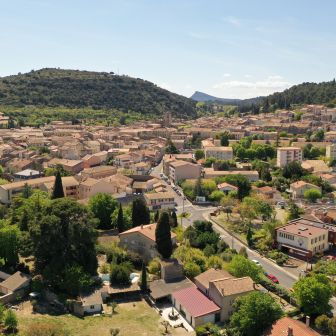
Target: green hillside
{"points": [[86, 89]]}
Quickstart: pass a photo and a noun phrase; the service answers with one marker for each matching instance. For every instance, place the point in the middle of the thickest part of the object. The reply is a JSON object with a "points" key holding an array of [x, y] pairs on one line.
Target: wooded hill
{"points": [[305, 93], [98, 90]]}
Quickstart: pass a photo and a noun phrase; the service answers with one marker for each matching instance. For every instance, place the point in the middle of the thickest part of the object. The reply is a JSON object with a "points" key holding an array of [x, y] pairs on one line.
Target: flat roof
{"points": [[303, 229]]}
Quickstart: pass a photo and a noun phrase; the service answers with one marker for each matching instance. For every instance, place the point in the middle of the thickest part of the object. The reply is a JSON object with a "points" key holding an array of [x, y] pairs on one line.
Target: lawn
{"points": [[131, 318]]}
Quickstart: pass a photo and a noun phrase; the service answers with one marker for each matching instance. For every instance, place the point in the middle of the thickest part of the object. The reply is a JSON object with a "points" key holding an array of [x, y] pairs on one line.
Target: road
{"points": [[286, 276]]}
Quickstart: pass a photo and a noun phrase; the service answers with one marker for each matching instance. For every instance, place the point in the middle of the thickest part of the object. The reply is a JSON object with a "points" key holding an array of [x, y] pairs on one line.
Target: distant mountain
{"points": [[98, 90], [204, 97], [305, 93]]}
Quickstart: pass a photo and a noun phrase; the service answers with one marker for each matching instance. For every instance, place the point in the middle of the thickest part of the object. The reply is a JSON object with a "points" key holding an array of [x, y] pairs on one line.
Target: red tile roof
{"points": [[194, 302], [280, 328]]}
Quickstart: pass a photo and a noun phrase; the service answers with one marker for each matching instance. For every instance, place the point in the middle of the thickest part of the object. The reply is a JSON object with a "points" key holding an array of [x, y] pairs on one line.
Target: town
{"points": [[220, 225]]}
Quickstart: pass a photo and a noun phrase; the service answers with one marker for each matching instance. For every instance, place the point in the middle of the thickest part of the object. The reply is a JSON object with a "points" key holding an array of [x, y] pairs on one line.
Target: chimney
{"points": [[290, 331], [307, 321]]}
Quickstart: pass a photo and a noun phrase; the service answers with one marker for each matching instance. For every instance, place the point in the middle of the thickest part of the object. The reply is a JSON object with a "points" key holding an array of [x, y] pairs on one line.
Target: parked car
{"points": [[273, 278], [256, 262]]}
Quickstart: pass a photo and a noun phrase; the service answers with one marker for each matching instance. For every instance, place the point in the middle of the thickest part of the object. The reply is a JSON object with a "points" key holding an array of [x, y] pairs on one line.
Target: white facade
{"points": [[219, 153], [287, 155]]}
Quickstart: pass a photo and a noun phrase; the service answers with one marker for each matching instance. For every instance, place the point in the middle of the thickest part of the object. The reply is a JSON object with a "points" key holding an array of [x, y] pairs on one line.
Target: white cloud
{"points": [[233, 21], [248, 76], [226, 75], [248, 88]]}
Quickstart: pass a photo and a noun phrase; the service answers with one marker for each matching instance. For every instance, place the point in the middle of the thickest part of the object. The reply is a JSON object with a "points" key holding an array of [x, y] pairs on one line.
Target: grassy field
{"points": [[131, 318]]}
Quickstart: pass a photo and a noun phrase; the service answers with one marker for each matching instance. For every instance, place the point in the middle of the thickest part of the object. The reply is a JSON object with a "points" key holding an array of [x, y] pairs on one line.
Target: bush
{"points": [[154, 266], [279, 257], [120, 274], [209, 250], [208, 329], [191, 269], [322, 323]]}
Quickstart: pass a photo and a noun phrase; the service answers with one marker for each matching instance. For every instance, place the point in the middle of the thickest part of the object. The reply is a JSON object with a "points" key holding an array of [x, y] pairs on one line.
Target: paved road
{"points": [[286, 276]]}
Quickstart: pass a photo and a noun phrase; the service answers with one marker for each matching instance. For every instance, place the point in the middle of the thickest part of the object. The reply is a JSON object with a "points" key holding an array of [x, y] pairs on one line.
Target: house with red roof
{"points": [[195, 307]]}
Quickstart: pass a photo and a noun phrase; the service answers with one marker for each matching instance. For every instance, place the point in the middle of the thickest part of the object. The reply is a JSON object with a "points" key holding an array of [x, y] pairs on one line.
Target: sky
{"points": [[230, 49]]}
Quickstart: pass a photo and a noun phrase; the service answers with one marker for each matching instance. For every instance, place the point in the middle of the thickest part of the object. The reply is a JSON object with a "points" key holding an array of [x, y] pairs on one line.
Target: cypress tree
{"points": [[140, 212], [249, 237], [120, 220], [163, 236], [27, 191], [173, 217], [156, 216], [143, 284], [58, 191]]}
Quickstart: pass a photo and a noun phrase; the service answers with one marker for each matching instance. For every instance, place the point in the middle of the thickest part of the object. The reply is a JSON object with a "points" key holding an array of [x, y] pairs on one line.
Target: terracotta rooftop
{"points": [[194, 302], [232, 286], [211, 274]]}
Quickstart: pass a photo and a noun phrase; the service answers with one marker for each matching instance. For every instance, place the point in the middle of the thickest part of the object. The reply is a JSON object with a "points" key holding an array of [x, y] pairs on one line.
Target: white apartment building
{"points": [[331, 152], [301, 239], [219, 153], [286, 155]]}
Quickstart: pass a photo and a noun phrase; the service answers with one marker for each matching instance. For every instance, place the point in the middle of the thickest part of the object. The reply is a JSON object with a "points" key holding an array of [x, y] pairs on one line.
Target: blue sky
{"points": [[232, 49]]}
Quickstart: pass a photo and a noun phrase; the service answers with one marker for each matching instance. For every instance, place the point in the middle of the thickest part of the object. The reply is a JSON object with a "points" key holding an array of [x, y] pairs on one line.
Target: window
{"points": [[92, 307]]}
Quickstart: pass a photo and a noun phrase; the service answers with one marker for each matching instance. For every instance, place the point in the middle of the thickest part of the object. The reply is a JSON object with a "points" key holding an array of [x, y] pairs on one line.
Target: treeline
{"points": [[98, 90], [305, 93]]}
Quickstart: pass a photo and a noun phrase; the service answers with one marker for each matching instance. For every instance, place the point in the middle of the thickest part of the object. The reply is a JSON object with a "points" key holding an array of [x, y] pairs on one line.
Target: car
{"points": [[329, 257], [256, 262], [273, 278]]}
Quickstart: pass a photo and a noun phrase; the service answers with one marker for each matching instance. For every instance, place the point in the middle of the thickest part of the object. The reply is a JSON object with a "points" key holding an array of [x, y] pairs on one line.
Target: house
{"points": [[195, 307], [224, 291], [88, 304], [141, 239], [182, 170], [286, 155], [202, 281], [7, 191], [331, 152], [251, 175], [302, 239], [287, 326], [300, 187], [219, 153], [71, 166], [268, 193], [160, 200], [13, 286], [226, 187], [99, 172], [27, 174], [316, 166], [70, 186]]}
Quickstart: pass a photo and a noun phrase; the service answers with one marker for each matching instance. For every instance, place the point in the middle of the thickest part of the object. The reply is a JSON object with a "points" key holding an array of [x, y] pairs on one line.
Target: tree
{"points": [[254, 313], [241, 267], [198, 190], [63, 235], [173, 218], [9, 244], [58, 191], [114, 331], [75, 280], [113, 305], [249, 236], [143, 280], [313, 294], [165, 325], [171, 148], [156, 216], [102, 206], [322, 323], [140, 212], [224, 139], [241, 182], [163, 236], [294, 211], [199, 154], [120, 274], [243, 252], [312, 195], [120, 219], [27, 191], [293, 170], [10, 320]]}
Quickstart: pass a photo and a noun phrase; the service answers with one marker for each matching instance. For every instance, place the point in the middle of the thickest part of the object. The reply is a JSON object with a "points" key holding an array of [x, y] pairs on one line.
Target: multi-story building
{"points": [[286, 155], [219, 153], [160, 200], [182, 170], [302, 239], [331, 152]]}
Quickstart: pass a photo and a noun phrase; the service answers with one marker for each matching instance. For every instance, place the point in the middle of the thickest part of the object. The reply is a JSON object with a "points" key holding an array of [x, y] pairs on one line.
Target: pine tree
{"points": [[24, 220], [140, 212], [198, 191], [120, 220], [143, 284], [163, 236], [173, 217], [58, 191]]}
